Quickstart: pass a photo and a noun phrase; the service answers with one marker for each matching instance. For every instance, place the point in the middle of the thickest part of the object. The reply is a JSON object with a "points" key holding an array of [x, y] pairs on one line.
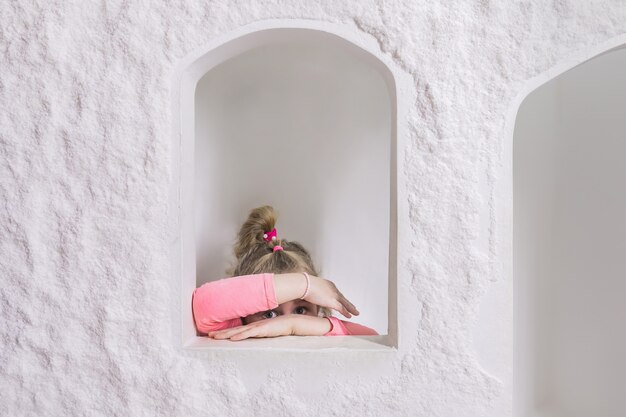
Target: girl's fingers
{"points": [[218, 332], [226, 333], [241, 332], [256, 331], [349, 306], [345, 307], [346, 303], [341, 309], [246, 334]]}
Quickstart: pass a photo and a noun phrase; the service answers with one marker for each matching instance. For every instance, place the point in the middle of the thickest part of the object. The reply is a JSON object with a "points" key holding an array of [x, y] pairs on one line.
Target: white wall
{"points": [[86, 168], [569, 248]]}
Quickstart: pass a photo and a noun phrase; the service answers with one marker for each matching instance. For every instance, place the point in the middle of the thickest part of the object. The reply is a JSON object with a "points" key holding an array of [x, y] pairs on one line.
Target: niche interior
{"points": [[568, 243], [302, 120]]}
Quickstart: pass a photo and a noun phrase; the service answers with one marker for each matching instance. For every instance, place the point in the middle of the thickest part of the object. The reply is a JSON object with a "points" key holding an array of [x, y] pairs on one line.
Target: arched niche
{"points": [[304, 120], [568, 253]]}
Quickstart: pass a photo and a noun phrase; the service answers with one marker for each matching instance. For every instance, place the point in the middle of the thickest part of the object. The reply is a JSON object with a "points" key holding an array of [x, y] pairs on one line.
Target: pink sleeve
{"points": [[221, 304], [345, 328]]}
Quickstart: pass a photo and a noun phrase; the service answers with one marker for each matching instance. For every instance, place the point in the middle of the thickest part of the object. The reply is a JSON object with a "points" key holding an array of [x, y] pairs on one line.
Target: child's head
{"points": [[255, 255]]}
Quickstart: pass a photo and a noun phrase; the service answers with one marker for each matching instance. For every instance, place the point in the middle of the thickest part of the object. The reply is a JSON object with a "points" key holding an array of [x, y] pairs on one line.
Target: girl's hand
{"points": [[291, 286], [324, 293], [277, 326]]}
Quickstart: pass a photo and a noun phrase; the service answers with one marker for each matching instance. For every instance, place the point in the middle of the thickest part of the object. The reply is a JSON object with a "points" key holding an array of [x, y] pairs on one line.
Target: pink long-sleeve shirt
{"points": [[221, 304]]}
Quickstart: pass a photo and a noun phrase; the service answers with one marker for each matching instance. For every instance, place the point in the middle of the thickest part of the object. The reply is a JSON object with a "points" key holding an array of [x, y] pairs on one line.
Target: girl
{"points": [[275, 291]]}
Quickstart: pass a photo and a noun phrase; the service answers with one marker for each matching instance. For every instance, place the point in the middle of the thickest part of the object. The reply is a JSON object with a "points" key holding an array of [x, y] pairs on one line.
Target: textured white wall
{"points": [[85, 169]]}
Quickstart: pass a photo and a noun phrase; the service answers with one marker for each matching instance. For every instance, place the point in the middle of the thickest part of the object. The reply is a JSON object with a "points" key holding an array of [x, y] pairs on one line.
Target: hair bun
{"points": [[260, 220]]}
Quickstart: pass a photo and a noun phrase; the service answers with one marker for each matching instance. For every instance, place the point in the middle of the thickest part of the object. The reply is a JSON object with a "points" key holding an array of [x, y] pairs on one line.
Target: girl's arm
{"points": [[221, 304], [289, 286], [328, 326], [293, 324]]}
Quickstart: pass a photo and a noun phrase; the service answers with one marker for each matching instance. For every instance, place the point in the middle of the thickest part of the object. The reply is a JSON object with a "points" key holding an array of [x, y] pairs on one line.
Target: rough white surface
{"points": [[84, 177]]}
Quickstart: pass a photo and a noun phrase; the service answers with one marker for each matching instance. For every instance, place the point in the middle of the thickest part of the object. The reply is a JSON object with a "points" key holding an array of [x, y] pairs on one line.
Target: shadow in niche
{"points": [[305, 128]]}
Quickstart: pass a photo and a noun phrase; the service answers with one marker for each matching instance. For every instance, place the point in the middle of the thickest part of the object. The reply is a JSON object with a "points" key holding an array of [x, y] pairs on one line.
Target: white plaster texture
{"points": [[85, 169]]}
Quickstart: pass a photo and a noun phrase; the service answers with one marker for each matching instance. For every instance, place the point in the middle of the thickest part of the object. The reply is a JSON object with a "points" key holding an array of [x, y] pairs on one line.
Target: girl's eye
{"points": [[269, 314], [301, 310]]}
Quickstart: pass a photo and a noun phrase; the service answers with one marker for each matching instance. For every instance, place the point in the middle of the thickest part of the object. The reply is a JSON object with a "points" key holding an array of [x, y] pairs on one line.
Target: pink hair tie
{"points": [[277, 247], [267, 236]]}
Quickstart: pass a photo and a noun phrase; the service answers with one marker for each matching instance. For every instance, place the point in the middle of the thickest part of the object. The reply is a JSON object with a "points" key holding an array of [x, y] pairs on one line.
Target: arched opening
{"points": [[568, 243], [304, 120]]}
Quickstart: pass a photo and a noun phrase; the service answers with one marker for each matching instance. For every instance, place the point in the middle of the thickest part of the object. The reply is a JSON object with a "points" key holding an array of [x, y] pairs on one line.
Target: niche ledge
{"points": [[297, 343]]}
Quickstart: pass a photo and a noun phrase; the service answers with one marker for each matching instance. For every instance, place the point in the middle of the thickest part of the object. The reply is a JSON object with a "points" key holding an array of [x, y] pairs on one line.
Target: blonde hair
{"points": [[254, 255]]}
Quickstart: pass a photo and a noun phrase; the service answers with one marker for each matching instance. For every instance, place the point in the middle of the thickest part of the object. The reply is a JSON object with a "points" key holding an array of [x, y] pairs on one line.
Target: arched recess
{"points": [[272, 116], [565, 225]]}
